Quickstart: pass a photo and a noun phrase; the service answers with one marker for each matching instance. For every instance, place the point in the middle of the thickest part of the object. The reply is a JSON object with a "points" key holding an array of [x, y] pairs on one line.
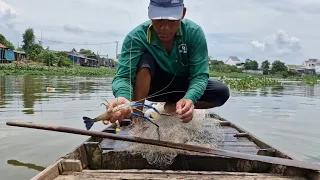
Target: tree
{"points": [[278, 67], [34, 52], [28, 40], [265, 66], [216, 62], [89, 53], [49, 58], [251, 65], [5, 42]]}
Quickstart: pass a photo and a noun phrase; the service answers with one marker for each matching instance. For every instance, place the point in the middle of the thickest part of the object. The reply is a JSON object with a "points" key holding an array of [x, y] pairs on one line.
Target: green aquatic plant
{"points": [[36, 69], [250, 83], [310, 80]]}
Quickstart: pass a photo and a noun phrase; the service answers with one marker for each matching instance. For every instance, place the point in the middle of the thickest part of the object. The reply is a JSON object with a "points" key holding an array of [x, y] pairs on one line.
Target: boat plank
{"points": [[134, 174], [240, 149], [231, 142], [109, 159], [51, 172], [238, 143], [229, 130], [238, 146]]}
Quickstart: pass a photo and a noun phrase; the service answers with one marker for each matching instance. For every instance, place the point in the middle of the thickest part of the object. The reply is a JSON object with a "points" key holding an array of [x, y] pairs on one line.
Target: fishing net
{"points": [[202, 131]]}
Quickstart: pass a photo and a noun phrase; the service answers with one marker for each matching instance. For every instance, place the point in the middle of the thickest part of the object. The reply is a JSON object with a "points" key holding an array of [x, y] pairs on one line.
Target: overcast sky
{"points": [[288, 30]]}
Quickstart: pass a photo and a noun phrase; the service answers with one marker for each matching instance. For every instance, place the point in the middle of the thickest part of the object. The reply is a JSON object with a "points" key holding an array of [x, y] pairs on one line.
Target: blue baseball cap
{"points": [[166, 9]]}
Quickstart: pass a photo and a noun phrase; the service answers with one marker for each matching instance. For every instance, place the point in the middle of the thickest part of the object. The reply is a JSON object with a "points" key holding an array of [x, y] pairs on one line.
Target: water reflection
{"points": [[2, 92], [32, 89], [301, 90], [283, 117], [31, 86], [28, 165]]}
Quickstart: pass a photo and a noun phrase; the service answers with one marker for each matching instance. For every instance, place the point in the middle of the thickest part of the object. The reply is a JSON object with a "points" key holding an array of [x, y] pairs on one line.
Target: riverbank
{"points": [[277, 116], [37, 69], [40, 69]]}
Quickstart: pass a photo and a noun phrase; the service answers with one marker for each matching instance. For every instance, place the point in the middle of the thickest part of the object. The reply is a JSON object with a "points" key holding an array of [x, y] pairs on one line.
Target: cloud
{"points": [[292, 6], [279, 43], [230, 30], [73, 29], [6, 11]]}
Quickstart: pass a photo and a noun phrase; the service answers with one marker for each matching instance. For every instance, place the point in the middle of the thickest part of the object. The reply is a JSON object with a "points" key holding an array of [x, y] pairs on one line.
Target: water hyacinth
{"points": [[310, 80], [36, 69], [250, 83]]}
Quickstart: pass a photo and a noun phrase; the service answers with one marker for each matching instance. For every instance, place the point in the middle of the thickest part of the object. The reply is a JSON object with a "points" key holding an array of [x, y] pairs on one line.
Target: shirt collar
{"points": [[151, 34]]}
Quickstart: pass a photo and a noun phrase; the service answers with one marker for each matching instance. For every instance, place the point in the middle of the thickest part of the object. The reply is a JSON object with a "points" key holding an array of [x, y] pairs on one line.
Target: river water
{"points": [[286, 118]]}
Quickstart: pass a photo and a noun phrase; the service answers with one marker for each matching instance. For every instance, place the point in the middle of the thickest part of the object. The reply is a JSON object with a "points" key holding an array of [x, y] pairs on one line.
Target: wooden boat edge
{"points": [[77, 154], [76, 159], [268, 148]]}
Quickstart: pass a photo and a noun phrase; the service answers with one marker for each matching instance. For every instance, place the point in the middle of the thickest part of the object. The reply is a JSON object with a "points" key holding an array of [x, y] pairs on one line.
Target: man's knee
{"points": [[143, 72], [146, 65], [216, 93], [224, 94]]}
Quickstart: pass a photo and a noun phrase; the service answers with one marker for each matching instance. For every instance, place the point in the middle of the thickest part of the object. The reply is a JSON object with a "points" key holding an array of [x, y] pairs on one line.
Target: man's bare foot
{"points": [[170, 108]]}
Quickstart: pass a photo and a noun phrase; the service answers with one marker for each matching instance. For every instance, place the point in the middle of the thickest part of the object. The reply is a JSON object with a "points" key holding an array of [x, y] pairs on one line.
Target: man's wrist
{"points": [[188, 97], [122, 95]]}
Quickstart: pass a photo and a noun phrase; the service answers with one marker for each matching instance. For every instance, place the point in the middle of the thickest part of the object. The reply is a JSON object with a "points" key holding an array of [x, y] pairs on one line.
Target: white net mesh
{"points": [[202, 131]]}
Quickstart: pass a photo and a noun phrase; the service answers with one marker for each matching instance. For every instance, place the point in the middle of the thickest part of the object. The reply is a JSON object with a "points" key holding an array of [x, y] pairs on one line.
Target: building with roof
{"points": [[311, 63], [19, 55], [234, 61], [81, 59], [300, 69], [317, 69], [8, 55], [312, 66]]}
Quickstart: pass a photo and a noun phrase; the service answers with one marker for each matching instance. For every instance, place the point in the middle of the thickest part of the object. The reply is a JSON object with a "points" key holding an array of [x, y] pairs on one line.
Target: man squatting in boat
{"points": [[166, 47]]}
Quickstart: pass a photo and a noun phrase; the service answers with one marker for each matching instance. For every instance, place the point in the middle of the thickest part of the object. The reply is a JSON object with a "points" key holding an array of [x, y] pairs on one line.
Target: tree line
{"points": [[35, 51], [276, 67]]}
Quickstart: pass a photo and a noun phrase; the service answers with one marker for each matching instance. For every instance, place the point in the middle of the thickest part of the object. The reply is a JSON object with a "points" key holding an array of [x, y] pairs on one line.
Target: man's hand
{"points": [[121, 114], [184, 108]]}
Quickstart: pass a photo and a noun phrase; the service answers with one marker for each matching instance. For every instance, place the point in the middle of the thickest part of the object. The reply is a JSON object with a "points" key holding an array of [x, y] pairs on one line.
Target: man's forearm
{"points": [[197, 87], [121, 88]]}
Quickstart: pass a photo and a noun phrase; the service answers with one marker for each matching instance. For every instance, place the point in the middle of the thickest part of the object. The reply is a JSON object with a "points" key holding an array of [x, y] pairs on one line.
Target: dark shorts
{"points": [[216, 92]]}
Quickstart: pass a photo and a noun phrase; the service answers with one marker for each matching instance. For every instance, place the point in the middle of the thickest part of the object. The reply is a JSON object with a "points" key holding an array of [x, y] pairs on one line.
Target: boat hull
{"points": [[99, 158]]}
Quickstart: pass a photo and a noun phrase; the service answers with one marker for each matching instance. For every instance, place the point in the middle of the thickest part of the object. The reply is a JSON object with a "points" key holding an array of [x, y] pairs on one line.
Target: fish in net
{"points": [[202, 131]]}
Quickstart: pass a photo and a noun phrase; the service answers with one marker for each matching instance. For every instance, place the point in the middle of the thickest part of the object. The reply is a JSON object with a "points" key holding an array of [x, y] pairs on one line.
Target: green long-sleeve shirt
{"points": [[189, 57]]}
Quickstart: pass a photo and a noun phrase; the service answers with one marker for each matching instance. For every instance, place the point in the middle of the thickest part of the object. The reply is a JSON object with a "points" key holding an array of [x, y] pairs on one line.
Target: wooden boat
{"points": [[99, 158]]}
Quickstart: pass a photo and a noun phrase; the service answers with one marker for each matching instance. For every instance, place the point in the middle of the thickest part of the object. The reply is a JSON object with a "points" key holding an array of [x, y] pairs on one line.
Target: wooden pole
{"points": [[193, 148]]}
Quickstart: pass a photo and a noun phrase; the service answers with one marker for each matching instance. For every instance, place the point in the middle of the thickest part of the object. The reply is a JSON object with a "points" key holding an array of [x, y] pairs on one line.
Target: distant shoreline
{"points": [[37, 69]]}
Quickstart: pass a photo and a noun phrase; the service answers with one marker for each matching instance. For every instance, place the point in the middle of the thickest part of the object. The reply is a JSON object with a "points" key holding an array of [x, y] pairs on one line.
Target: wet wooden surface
{"points": [[106, 162], [133, 174], [233, 141]]}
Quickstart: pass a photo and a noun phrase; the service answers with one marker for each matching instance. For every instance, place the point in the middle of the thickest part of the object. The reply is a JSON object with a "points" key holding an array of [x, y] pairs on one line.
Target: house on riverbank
{"points": [[234, 61], [311, 65], [300, 69], [107, 62], [317, 69], [8, 55], [79, 59], [308, 67]]}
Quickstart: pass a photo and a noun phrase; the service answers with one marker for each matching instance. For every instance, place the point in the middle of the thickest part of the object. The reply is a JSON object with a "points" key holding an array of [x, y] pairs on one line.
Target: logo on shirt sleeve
{"points": [[175, 1]]}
